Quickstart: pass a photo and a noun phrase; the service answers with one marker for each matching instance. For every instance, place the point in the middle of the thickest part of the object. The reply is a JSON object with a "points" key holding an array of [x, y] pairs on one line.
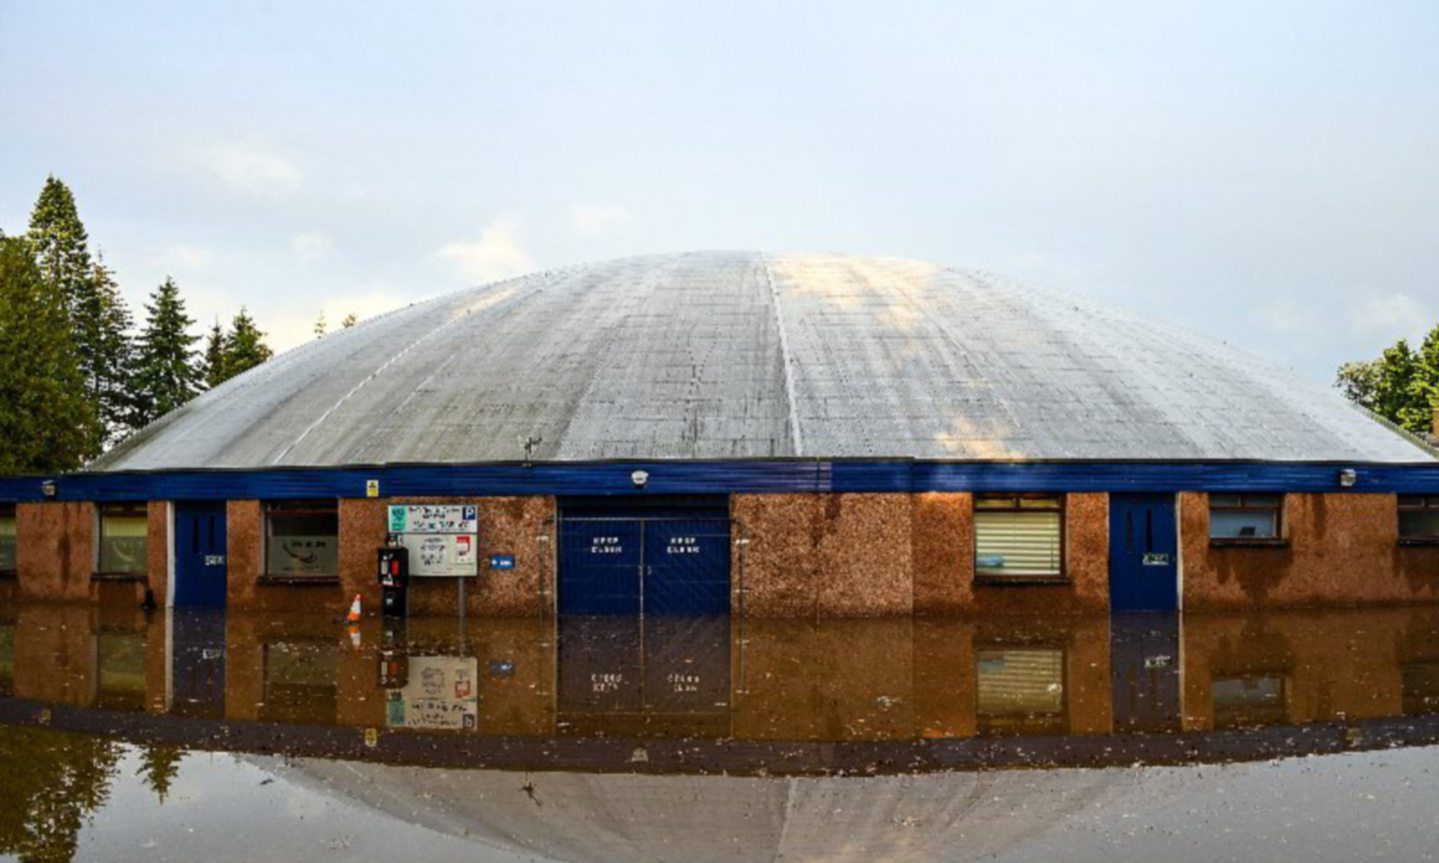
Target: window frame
{"points": [[1425, 503], [1278, 540], [12, 512], [140, 509], [312, 507], [1061, 507]]}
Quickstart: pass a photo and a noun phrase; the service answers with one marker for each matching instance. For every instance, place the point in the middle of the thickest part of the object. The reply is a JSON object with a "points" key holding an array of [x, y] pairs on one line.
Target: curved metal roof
{"points": [[739, 354]]}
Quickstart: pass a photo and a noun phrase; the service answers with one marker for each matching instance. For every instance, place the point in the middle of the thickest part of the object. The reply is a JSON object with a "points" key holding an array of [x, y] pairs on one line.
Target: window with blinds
{"points": [[1018, 536], [7, 538]]}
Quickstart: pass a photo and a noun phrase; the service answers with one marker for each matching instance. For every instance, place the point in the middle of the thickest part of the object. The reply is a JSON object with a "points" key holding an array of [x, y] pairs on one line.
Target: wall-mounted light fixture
{"points": [[640, 478], [1348, 477], [48, 488]]}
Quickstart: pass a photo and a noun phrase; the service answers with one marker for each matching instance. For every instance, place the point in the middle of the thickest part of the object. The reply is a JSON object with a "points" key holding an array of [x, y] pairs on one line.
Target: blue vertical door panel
{"points": [[200, 549], [1143, 553], [197, 665], [600, 562], [687, 566]]}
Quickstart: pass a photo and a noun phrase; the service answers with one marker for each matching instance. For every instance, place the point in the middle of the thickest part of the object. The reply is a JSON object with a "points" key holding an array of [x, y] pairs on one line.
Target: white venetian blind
{"points": [[1017, 543]]}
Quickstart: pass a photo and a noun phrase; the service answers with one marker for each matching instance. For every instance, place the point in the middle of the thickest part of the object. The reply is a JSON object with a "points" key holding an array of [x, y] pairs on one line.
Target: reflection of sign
{"points": [[502, 561], [1153, 559], [442, 538], [440, 694]]}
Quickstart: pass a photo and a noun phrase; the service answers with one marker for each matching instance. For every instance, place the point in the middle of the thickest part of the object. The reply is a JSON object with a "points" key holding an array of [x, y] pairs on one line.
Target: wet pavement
{"points": [[1284, 735]]}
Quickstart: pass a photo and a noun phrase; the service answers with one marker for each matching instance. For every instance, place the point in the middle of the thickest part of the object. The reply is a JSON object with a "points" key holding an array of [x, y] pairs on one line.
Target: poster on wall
{"points": [[443, 539], [439, 694]]}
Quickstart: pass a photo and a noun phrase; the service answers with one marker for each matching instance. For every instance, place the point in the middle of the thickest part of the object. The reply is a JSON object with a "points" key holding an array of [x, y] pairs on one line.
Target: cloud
{"points": [[1392, 313], [310, 245], [497, 254], [253, 170], [589, 220]]}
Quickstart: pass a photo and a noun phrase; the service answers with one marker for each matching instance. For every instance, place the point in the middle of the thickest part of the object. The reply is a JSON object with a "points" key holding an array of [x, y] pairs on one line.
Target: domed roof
{"points": [[721, 355]]}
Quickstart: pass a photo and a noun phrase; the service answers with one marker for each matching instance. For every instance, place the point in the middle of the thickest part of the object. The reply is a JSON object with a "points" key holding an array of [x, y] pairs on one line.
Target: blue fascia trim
{"points": [[787, 476]]}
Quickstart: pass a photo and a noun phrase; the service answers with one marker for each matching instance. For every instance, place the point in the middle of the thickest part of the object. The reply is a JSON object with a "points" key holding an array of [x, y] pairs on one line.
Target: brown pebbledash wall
{"points": [[55, 555], [1340, 549], [866, 555], [508, 525]]}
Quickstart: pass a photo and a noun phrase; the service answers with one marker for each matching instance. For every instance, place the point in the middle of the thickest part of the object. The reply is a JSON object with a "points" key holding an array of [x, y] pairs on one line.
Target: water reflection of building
{"points": [[880, 680]]}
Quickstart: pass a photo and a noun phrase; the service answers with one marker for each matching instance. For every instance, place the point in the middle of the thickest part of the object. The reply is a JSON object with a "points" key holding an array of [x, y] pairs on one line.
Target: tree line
{"points": [[1401, 384], [76, 376]]}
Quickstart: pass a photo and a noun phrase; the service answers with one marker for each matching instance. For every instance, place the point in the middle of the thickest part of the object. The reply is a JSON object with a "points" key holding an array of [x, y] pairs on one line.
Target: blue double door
{"points": [[1143, 553], [200, 555], [644, 565]]}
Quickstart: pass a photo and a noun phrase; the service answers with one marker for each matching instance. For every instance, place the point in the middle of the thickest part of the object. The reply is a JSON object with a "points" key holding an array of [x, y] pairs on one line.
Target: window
{"points": [[1245, 516], [122, 538], [7, 538], [1418, 517], [1018, 537], [302, 539]]}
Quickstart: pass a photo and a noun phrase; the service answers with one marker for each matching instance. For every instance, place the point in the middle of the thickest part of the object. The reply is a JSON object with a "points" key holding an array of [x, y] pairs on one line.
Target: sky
{"points": [[1262, 172]]}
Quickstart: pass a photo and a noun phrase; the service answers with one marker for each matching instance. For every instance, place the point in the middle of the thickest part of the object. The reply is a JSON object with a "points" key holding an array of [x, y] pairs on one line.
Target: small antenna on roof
{"points": [[529, 443]]}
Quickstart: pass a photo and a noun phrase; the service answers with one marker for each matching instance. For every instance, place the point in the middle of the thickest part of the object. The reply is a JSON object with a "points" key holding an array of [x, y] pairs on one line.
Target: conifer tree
{"points": [[213, 362], [349, 321], [166, 375], [107, 353], [245, 345], [60, 243], [320, 325], [46, 422]]}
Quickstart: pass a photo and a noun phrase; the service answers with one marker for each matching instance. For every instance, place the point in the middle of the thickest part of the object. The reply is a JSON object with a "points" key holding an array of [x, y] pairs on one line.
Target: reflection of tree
{"points": [[51, 782], [158, 765]]}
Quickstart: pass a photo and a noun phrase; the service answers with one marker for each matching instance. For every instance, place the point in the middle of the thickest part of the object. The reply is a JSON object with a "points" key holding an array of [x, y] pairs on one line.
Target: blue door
{"points": [[687, 566], [1143, 553], [644, 566], [200, 554], [600, 562]]}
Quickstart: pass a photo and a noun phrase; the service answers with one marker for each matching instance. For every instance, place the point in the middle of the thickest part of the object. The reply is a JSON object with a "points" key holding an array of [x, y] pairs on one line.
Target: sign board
{"points": [[441, 693], [1154, 559], [502, 561], [372, 488], [443, 539]]}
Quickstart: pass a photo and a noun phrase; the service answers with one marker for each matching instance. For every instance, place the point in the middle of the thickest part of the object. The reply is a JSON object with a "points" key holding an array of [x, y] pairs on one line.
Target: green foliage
{"points": [[159, 765], [61, 245], [320, 325], [166, 373], [213, 361], [47, 423], [349, 321], [52, 782], [101, 323], [244, 346], [1402, 385]]}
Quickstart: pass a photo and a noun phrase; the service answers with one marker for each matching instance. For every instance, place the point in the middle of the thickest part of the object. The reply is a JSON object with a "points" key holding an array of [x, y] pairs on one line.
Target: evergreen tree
{"points": [[60, 243], [213, 362], [107, 353], [320, 325], [166, 375], [159, 765], [46, 421], [349, 321], [245, 345]]}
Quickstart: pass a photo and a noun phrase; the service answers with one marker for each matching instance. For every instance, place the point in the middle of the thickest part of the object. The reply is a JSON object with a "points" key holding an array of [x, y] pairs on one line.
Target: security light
{"points": [[639, 478], [1348, 477]]}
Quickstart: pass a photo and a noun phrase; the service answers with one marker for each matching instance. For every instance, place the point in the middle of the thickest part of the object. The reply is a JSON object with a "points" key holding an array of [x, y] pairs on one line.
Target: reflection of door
{"points": [[197, 649], [1144, 672], [1143, 552], [200, 554]]}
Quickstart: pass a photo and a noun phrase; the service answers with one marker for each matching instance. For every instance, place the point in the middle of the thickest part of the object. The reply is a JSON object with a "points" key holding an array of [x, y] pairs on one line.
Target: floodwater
{"points": [[181, 736]]}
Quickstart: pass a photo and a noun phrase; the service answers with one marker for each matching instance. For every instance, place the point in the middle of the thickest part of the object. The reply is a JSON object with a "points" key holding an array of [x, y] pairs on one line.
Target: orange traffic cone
{"points": [[354, 615]]}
